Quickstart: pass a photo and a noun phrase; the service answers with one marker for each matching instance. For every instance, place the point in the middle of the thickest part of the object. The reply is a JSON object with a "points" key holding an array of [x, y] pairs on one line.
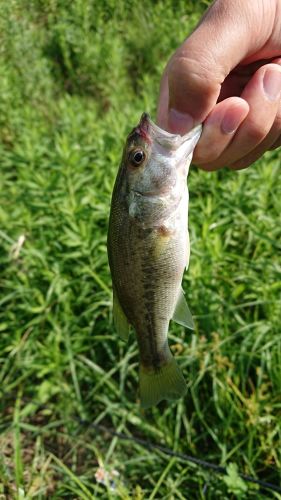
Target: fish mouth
{"points": [[149, 131], [143, 129]]}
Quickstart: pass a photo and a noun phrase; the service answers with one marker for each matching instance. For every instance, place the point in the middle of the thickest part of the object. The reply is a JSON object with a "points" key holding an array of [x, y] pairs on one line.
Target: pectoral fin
{"points": [[120, 321], [182, 314]]}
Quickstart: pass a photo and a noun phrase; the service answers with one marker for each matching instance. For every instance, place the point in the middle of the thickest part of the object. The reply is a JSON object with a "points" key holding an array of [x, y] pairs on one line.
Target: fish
{"points": [[148, 251]]}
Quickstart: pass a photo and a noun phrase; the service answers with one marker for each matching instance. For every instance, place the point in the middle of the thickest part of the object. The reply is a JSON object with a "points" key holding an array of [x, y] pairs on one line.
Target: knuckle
{"points": [[276, 144], [197, 74], [208, 167], [257, 131], [276, 130], [240, 164], [206, 154], [277, 121], [209, 164]]}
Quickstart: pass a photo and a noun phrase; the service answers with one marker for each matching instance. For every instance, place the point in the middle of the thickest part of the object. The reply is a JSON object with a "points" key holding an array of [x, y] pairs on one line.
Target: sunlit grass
{"points": [[74, 81]]}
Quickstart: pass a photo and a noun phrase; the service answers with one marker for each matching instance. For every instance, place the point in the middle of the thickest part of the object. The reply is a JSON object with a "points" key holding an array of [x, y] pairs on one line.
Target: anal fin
{"points": [[182, 314], [120, 321]]}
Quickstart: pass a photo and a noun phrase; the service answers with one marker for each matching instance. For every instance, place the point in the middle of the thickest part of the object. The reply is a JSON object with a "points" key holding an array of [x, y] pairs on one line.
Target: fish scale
{"points": [[148, 288]]}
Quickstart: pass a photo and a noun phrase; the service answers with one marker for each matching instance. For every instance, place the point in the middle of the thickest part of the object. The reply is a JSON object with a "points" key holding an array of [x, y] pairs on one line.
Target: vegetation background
{"points": [[74, 79]]}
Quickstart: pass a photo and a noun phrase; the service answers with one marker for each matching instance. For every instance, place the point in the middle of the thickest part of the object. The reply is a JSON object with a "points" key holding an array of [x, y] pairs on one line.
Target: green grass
{"points": [[75, 78]]}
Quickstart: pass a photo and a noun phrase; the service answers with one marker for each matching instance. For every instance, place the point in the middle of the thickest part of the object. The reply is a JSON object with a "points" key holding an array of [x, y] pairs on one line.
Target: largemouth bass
{"points": [[148, 248]]}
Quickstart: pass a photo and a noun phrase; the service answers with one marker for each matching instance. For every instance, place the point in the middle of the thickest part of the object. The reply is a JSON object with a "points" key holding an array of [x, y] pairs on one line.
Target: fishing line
{"points": [[218, 469], [182, 456]]}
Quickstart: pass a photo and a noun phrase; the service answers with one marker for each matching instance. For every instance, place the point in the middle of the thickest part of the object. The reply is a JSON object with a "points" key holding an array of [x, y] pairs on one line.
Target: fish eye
{"points": [[137, 157]]}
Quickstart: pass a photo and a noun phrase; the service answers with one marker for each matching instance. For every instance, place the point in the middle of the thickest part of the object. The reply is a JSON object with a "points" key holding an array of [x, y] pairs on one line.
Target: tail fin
{"points": [[166, 382]]}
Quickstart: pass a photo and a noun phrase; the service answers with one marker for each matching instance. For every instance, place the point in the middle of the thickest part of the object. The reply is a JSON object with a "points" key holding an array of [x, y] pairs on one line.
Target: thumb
{"points": [[194, 75]]}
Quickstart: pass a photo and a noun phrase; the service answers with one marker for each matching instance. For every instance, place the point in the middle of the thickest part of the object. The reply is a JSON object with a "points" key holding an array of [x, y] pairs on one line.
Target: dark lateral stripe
{"points": [[149, 303]]}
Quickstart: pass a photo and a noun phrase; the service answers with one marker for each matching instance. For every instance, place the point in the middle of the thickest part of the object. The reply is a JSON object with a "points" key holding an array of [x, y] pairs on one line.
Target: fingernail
{"points": [[179, 123], [272, 84], [230, 123]]}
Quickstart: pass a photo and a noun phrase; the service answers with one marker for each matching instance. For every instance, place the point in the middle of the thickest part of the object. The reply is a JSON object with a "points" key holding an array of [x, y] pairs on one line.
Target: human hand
{"points": [[227, 74]]}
